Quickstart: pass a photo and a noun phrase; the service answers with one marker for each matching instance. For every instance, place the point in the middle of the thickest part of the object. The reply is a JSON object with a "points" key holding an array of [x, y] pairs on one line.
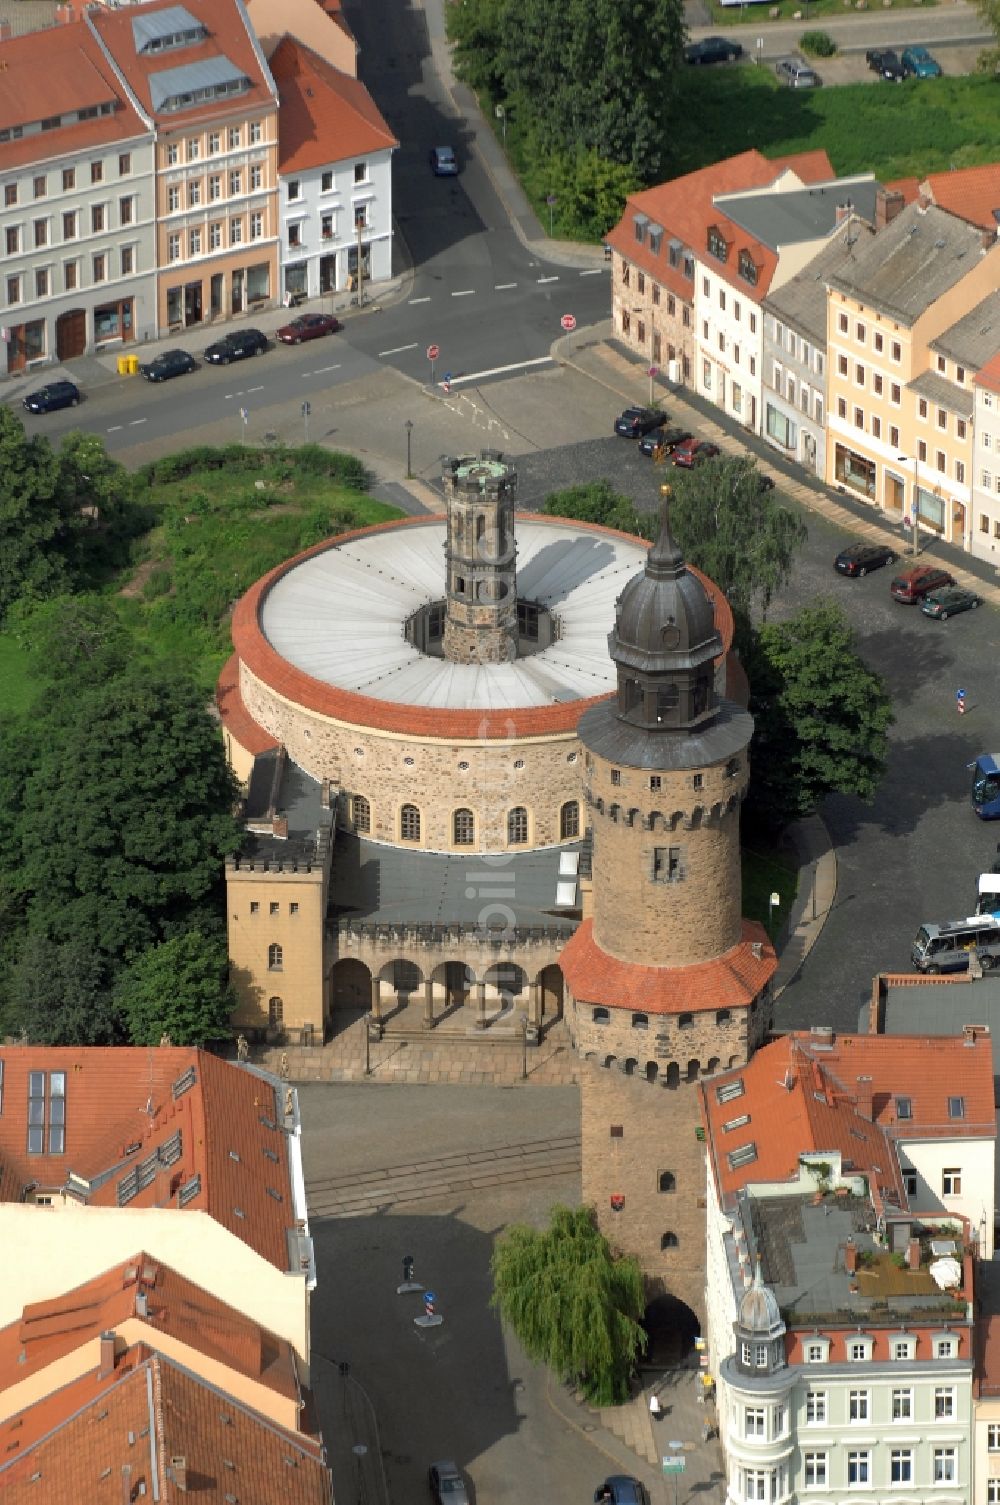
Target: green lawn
{"points": [[925, 126], [765, 873], [759, 14]]}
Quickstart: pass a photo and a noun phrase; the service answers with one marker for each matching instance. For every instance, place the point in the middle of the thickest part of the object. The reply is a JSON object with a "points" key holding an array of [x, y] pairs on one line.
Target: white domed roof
{"points": [[759, 1314]]}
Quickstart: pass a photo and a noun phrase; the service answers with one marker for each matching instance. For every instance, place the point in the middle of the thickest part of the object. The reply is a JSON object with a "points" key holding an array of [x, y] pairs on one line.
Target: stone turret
{"points": [[481, 605]]}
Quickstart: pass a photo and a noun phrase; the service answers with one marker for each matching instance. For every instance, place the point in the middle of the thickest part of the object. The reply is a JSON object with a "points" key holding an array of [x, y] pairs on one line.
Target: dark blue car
{"points": [[57, 394]]}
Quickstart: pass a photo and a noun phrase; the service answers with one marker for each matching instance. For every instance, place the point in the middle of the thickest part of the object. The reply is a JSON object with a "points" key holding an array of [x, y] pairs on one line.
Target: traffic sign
{"points": [[568, 322], [551, 199], [653, 371], [675, 1464], [433, 351]]}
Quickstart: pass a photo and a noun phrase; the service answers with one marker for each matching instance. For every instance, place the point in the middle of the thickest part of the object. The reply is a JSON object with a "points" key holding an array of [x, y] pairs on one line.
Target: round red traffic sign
{"points": [[433, 351], [568, 322]]}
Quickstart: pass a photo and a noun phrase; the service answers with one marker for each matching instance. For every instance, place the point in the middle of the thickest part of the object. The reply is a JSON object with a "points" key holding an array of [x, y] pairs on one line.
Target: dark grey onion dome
{"points": [[759, 1330], [665, 642]]}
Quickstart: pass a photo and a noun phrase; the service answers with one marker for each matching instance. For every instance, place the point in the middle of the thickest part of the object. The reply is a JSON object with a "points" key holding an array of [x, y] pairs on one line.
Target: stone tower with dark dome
{"points": [[481, 611], [669, 983]]}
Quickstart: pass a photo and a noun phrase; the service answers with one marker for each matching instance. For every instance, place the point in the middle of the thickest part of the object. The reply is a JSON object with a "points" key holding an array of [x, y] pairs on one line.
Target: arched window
{"points": [[668, 1181], [569, 821], [274, 957], [463, 828], [362, 813], [275, 1013], [692, 1072], [640, 1021], [517, 826], [629, 1066], [409, 823], [669, 1241]]}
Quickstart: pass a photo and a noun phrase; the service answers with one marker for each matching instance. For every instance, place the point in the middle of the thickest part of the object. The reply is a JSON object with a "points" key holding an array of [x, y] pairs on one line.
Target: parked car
{"points": [[918, 63], [764, 481], [167, 364], [712, 50], [885, 62], [662, 441], [694, 452], [912, 586], [948, 601], [444, 163], [308, 327], [57, 394], [796, 73], [621, 1489], [635, 422], [447, 1484], [859, 558], [236, 346]]}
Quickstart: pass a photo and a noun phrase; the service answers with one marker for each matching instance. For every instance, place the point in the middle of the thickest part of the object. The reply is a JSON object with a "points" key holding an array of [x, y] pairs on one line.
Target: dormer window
{"points": [[688, 267], [748, 268], [640, 222], [718, 246], [655, 238]]}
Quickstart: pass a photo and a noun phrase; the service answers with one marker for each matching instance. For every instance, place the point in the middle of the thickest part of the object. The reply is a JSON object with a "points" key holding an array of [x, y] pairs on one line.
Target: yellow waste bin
{"points": [[123, 365], [132, 364]]}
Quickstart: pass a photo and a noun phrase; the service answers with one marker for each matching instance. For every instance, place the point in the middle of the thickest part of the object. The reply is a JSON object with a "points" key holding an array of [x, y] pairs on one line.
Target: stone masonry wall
{"points": [[680, 1047], [696, 915], [540, 774]]}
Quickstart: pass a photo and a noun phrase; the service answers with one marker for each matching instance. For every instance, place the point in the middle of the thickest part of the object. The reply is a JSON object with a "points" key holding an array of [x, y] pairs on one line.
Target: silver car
{"points": [[796, 73], [447, 1484]]}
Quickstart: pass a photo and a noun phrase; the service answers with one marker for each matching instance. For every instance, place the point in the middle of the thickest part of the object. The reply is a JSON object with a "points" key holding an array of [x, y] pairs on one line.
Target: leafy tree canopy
{"points": [[72, 640], [598, 502], [573, 1304], [59, 995], [38, 518], [988, 60], [179, 988], [822, 716]]}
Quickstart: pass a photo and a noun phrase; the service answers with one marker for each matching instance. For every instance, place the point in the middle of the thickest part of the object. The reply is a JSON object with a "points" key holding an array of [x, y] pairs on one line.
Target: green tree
{"points": [[59, 995], [180, 988], [822, 716], [72, 640], [598, 502], [573, 1304], [38, 521], [739, 535], [126, 816], [988, 60]]}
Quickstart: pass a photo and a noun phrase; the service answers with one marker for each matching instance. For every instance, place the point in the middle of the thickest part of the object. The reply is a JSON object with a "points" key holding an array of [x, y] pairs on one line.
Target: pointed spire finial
{"points": [[664, 558]]}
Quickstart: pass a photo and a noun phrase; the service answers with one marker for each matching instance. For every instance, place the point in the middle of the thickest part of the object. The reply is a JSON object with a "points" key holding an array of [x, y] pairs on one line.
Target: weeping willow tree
{"points": [[573, 1304]]}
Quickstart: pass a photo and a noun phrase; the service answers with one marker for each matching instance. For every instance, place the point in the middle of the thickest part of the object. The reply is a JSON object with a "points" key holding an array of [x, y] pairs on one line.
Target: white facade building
{"points": [[985, 532]]}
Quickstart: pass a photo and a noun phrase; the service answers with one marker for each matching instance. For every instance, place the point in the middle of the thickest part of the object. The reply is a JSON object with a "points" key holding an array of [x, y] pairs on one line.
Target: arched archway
{"points": [[453, 983], [671, 1326], [399, 982], [505, 982], [652, 1071], [673, 1075], [550, 992], [350, 985]]}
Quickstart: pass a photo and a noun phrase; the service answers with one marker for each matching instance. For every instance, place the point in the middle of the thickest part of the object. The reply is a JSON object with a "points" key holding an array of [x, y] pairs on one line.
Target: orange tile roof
{"points": [[731, 981], [790, 1106], [62, 68], [685, 208], [235, 717], [124, 1106], [99, 1438], [971, 193], [989, 376], [326, 116], [229, 36], [908, 187], [144, 1289]]}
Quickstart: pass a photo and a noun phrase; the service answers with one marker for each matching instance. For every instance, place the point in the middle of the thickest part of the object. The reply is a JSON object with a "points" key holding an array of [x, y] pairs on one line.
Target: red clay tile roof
{"points": [[971, 193], [60, 69], [908, 187], [788, 1107], [989, 376], [122, 1116], [235, 717], [326, 116], [228, 36], [685, 208], [731, 981], [98, 1439], [254, 651], [174, 1306]]}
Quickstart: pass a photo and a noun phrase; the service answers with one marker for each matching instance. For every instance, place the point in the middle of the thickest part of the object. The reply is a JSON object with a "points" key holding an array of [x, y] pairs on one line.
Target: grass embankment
{"points": [[759, 14], [766, 873], [222, 519]]}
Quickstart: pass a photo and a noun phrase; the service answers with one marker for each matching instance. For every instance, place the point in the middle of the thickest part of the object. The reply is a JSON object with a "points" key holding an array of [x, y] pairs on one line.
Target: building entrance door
{"points": [[71, 334], [239, 283], [192, 303], [216, 295]]}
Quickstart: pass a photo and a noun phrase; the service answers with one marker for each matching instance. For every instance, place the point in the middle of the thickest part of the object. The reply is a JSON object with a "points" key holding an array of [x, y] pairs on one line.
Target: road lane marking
{"points": [[594, 272], [419, 300], [136, 421], [397, 350], [320, 370], [548, 279], [467, 292], [256, 389], [540, 360], [502, 287], [115, 427]]}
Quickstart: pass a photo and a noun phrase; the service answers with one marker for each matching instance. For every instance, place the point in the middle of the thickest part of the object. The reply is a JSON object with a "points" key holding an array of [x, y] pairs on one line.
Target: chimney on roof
{"points": [[179, 1469], [822, 1034], [844, 211], [863, 1096], [107, 1355], [851, 1257], [141, 1303], [888, 203], [913, 1254], [279, 827]]}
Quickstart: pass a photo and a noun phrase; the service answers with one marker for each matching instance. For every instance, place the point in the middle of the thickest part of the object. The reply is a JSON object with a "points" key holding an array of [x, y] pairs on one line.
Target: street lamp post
{"points": [[773, 902], [914, 504], [408, 425]]}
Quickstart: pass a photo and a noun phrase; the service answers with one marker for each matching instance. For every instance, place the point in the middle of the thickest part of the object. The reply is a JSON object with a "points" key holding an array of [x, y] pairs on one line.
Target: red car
{"points": [[308, 327], [694, 452], [914, 585]]}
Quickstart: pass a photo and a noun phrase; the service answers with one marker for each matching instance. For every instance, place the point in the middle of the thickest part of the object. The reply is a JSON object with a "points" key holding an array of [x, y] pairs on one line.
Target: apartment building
{"points": [[660, 245], [170, 1150], [77, 207], [197, 72], [985, 533], [898, 437], [840, 1317], [986, 1390], [323, 28], [794, 357], [335, 172]]}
